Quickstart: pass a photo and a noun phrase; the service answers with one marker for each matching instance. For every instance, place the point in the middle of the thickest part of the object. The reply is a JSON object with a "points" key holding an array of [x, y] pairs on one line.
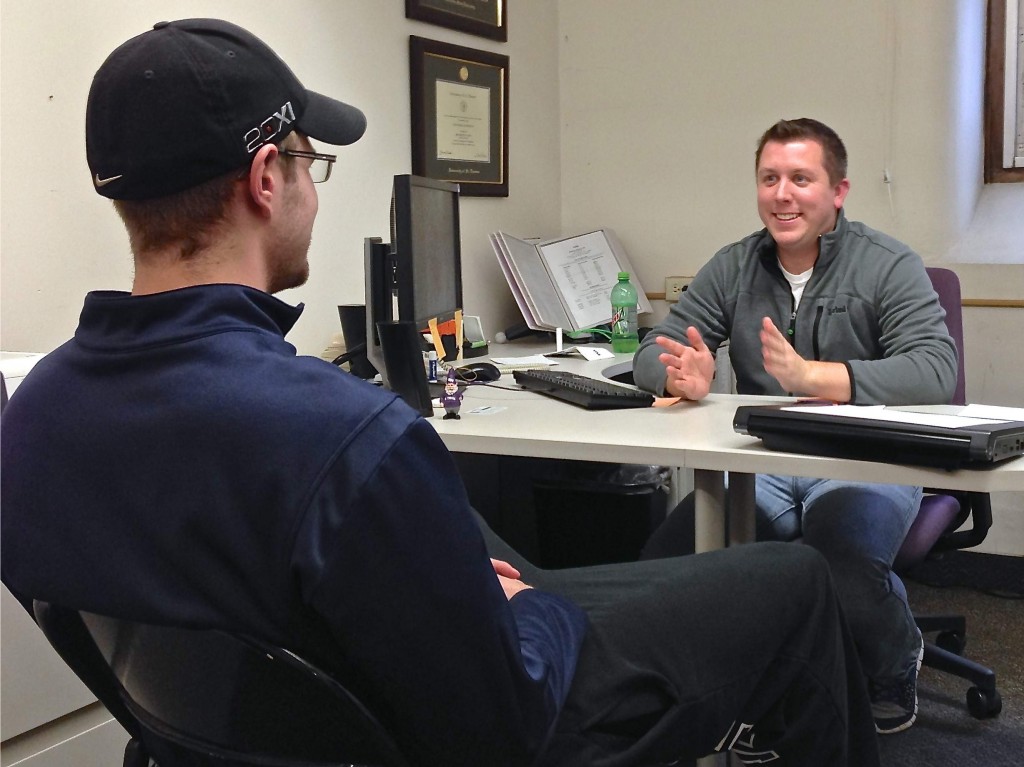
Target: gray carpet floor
{"points": [[945, 733]]}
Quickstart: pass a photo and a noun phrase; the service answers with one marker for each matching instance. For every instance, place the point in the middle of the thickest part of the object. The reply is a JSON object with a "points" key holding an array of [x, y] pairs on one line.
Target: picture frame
{"points": [[485, 18], [459, 114]]}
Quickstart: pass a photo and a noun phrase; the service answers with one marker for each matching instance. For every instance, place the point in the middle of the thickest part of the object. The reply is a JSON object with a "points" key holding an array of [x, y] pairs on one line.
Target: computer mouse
{"points": [[478, 372]]}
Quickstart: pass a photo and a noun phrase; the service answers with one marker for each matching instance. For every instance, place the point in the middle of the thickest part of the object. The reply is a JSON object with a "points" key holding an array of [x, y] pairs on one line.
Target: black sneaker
{"points": [[894, 705]]}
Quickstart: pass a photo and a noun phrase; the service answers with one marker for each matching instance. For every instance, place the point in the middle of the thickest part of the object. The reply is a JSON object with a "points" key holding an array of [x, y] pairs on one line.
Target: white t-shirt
{"points": [[797, 282]]}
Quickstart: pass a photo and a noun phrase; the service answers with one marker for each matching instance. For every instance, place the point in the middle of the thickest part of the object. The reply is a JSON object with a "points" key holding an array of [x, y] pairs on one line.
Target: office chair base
{"points": [[951, 641], [983, 700], [984, 705]]}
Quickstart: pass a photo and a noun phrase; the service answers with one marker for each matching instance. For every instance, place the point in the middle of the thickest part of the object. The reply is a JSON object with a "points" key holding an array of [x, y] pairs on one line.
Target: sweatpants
{"points": [[743, 649]]}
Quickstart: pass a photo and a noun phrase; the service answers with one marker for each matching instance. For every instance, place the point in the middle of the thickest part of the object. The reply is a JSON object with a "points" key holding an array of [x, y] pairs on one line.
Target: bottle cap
{"points": [[623, 275]]}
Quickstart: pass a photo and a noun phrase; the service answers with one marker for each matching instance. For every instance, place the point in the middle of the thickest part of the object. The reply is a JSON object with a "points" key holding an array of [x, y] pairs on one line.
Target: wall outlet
{"points": [[674, 286]]}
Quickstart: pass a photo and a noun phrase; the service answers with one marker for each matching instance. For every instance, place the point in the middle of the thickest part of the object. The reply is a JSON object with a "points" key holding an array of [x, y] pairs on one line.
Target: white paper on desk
{"points": [[993, 411], [892, 415], [589, 353], [531, 359]]}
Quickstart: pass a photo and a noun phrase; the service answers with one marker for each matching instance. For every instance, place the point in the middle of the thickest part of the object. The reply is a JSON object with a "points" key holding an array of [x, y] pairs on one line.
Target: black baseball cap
{"points": [[190, 100]]}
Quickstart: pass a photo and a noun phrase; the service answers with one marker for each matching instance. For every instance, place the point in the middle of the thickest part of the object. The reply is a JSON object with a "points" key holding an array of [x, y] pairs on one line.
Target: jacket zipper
{"points": [[791, 332], [814, 337]]}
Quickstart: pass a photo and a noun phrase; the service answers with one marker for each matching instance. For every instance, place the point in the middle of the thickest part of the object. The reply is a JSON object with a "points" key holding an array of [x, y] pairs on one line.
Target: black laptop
{"points": [[929, 436]]}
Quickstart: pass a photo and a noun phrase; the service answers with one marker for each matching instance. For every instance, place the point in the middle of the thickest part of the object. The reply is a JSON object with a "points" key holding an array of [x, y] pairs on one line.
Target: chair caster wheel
{"points": [[984, 705], [951, 641]]}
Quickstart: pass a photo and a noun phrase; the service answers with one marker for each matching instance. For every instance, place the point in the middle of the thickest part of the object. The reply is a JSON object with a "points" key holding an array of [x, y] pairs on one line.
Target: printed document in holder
{"points": [[565, 282], [944, 436]]}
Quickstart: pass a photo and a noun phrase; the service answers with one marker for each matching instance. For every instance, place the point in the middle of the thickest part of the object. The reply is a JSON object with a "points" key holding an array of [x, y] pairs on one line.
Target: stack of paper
{"points": [[565, 282]]}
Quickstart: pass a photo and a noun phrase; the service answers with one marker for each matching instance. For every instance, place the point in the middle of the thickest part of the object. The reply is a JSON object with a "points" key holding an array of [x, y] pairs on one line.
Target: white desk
{"points": [[694, 435]]}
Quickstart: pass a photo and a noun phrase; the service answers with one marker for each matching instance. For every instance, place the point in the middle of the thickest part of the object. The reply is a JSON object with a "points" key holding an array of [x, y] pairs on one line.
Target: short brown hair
{"points": [[186, 218], [785, 131]]}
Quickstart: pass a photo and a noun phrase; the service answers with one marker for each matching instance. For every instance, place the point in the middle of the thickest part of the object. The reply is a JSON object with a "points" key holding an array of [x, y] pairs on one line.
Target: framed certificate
{"points": [[459, 116], [486, 18]]}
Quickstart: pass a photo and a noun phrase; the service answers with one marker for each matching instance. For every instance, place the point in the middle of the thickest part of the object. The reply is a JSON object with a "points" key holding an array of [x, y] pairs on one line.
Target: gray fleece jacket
{"points": [[869, 304]]}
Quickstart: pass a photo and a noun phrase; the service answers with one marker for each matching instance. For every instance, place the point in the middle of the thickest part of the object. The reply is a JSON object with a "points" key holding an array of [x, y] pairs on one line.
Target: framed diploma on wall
{"points": [[459, 116], [486, 18]]}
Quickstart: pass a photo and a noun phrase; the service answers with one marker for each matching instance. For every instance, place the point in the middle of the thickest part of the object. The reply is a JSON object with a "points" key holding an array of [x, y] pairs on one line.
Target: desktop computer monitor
{"points": [[418, 277]]}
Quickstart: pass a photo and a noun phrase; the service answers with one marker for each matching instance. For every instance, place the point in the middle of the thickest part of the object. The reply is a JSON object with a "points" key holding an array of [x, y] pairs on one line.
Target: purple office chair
{"points": [[936, 529]]}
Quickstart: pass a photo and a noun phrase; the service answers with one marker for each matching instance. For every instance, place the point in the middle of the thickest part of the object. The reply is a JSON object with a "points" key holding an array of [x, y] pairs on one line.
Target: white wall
{"points": [[59, 239]]}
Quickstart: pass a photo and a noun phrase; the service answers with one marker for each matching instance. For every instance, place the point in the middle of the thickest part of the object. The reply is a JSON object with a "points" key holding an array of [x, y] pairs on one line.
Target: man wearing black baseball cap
{"points": [[175, 115], [193, 99], [177, 463]]}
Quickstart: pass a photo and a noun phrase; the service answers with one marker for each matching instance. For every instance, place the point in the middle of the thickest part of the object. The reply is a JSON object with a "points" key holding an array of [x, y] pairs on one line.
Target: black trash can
{"points": [[560, 513], [595, 513]]}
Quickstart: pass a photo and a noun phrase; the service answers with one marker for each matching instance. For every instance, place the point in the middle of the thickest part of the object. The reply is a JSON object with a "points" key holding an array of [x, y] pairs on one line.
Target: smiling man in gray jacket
{"points": [[816, 305]]}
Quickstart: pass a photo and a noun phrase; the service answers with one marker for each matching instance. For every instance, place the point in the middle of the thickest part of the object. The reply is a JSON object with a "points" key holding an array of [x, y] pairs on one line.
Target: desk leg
{"points": [[742, 520], [709, 504], [680, 486]]}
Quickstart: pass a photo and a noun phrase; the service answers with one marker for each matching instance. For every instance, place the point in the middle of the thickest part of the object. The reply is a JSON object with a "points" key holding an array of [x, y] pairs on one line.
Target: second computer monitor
{"points": [[427, 251], [419, 277]]}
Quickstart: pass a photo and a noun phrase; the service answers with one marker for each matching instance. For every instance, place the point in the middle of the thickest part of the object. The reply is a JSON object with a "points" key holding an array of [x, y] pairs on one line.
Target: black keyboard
{"points": [[590, 393]]}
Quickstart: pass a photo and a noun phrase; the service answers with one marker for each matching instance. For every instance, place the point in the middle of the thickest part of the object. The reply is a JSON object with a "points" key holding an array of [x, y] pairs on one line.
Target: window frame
{"points": [[995, 70]]}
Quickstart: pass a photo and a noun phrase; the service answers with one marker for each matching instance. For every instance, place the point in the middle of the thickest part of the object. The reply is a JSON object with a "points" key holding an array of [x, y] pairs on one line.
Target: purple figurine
{"points": [[451, 400]]}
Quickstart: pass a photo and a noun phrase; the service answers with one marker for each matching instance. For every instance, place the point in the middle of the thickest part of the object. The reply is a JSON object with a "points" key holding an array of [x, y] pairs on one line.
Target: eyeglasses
{"points": [[320, 165]]}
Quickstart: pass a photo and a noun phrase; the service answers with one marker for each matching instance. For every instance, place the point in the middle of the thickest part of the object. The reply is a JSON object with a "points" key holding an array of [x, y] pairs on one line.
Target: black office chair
{"points": [[207, 697], [936, 529]]}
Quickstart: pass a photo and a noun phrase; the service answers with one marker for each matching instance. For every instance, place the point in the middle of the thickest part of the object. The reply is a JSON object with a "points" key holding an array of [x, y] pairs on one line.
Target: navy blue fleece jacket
{"points": [[177, 462]]}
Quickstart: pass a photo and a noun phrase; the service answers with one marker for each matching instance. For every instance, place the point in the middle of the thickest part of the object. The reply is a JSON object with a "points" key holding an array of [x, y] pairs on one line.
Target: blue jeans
{"points": [[859, 527]]}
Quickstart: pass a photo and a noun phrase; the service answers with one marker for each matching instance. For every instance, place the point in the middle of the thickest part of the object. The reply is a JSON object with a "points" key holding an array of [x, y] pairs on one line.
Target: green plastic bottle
{"points": [[624, 322]]}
